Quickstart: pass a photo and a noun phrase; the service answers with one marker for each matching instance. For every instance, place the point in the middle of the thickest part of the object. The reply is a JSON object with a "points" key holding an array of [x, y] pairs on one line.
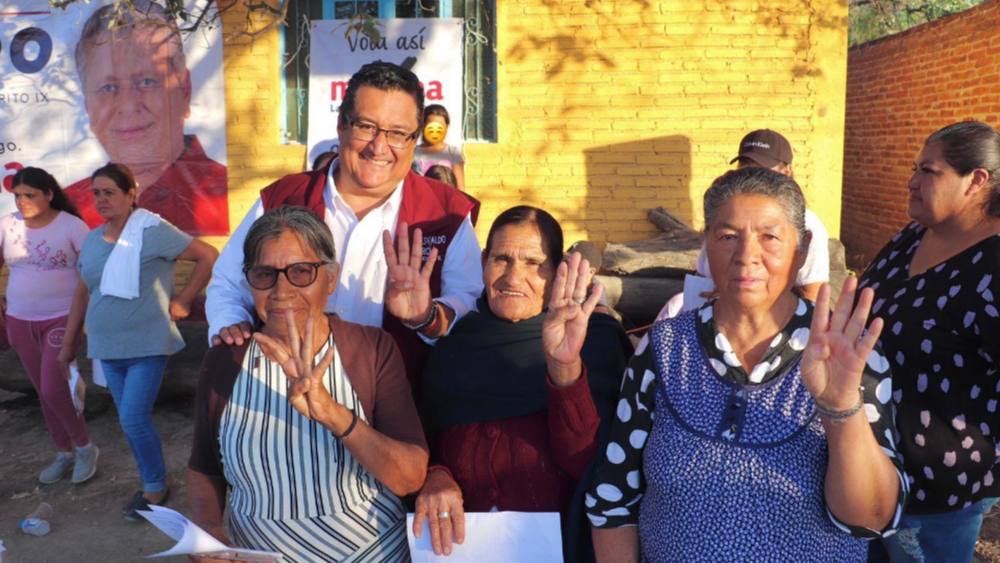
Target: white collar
{"points": [[334, 201]]}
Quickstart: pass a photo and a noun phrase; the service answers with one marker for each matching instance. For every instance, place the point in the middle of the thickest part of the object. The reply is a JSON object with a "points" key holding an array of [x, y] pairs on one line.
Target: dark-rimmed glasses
{"points": [[368, 132], [300, 274]]}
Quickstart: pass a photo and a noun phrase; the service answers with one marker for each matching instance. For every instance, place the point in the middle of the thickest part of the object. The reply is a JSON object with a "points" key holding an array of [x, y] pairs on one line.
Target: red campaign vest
{"points": [[437, 209]]}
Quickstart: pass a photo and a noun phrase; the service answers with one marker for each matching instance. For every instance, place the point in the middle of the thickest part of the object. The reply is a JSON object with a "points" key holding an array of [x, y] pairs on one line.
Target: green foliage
{"points": [[871, 19], [364, 24]]}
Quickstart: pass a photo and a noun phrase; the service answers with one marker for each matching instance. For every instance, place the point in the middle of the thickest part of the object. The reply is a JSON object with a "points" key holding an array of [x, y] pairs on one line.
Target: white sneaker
{"points": [[63, 463], [86, 464]]}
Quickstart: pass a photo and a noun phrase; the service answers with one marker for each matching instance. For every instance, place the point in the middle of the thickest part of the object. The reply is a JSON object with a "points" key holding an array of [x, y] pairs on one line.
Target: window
{"points": [[479, 67]]}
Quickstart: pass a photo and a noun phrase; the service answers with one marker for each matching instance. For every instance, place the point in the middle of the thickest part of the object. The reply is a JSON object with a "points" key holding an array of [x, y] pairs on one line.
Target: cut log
{"points": [[639, 299], [671, 254], [671, 225], [663, 256]]}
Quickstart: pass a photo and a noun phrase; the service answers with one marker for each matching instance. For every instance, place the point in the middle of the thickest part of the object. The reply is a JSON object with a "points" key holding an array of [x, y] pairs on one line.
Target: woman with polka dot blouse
{"points": [[934, 287], [758, 427]]}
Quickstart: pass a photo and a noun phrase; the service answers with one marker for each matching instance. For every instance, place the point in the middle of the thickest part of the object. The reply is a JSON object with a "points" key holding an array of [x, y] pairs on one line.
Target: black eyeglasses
{"points": [[364, 131], [300, 274]]}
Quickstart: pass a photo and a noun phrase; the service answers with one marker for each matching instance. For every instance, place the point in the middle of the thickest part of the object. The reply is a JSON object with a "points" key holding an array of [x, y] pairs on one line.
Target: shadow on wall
{"points": [[626, 180]]}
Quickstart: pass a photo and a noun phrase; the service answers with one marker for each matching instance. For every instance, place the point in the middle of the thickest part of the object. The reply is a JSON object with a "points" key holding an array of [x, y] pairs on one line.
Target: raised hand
{"points": [[306, 391], [836, 353], [565, 326], [408, 281]]}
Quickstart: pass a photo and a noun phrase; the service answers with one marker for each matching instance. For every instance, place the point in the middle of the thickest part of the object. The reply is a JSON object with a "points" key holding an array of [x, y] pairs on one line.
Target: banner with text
{"points": [[76, 95], [431, 48]]}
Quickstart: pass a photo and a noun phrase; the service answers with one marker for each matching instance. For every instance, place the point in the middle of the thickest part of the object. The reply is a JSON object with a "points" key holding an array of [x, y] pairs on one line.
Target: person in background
{"points": [[594, 257], [137, 91], [434, 151], [336, 436], [758, 427], [521, 434], [443, 174], [769, 149], [934, 285], [372, 200], [324, 159], [125, 293], [40, 245]]}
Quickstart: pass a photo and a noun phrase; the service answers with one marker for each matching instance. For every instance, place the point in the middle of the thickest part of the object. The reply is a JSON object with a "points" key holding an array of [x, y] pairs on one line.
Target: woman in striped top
{"points": [[316, 435]]}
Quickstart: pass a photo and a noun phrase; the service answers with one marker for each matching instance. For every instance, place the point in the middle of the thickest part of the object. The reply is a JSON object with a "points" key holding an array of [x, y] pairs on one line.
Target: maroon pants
{"points": [[38, 343]]}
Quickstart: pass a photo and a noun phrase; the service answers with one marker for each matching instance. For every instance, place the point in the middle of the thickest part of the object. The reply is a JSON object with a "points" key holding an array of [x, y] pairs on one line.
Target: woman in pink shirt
{"points": [[40, 245]]}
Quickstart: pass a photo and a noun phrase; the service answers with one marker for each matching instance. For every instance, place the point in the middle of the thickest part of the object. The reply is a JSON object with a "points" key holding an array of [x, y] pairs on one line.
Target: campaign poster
{"points": [[79, 91], [431, 48]]}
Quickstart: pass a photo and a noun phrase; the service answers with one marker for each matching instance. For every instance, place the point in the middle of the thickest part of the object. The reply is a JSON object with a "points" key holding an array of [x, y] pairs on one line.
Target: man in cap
{"points": [[769, 149]]}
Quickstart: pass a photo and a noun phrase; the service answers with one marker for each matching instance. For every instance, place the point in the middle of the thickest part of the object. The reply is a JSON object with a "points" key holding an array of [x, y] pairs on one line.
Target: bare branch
{"points": [[282, 15]]}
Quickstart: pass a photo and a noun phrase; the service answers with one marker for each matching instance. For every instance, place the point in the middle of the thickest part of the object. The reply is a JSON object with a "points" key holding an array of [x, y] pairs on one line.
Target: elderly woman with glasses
{"points": [[311, 424]]}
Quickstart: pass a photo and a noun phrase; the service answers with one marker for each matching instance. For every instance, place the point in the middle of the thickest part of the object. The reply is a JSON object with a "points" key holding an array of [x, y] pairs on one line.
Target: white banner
{"points": [[135, 101], [431, 48]]}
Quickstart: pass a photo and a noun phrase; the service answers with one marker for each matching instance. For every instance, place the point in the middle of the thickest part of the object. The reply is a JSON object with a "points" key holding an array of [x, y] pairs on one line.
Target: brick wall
{"points": [[607, 109], [254, 120], [900, 89]]}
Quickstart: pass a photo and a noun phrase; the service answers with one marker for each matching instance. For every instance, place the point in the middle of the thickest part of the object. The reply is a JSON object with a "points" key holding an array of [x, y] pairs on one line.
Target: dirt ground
{"points": [[87, 525]]}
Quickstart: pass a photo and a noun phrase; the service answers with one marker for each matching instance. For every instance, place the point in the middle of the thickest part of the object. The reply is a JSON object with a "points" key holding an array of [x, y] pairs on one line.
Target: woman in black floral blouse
{"points": [[935, 285]]}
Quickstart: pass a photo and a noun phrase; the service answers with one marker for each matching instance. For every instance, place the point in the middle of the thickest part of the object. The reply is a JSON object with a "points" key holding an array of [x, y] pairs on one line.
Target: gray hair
{"points": [[114, 22], [763, 182], [294, 219]]}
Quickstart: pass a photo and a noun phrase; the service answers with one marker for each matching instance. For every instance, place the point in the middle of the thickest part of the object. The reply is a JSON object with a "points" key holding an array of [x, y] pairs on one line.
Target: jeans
{"points": [[134, 384], [940, 538]]}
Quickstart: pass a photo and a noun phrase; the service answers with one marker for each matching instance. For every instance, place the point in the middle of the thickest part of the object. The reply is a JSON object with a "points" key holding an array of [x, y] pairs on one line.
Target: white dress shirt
{"points": [[360, 292]]}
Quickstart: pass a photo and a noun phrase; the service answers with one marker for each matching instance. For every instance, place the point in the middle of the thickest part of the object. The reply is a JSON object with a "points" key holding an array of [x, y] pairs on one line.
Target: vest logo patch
{"points": [[439, 241]]}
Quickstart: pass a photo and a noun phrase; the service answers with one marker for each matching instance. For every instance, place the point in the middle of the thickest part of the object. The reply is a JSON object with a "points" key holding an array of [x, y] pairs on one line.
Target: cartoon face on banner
{"points": [[138, 93], [431, 48]]}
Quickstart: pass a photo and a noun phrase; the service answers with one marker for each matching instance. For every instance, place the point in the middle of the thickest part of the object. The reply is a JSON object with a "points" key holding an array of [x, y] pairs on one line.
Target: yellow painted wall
{"points": [[607, 108]]}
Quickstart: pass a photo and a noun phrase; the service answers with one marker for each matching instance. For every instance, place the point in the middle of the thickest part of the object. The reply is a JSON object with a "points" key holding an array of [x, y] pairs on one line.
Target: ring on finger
{"points": [[443, 515], [579, 300]]}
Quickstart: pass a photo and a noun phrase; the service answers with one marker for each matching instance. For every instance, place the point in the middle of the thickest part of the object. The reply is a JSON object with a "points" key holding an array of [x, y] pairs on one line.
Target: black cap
{"points": [[765, 147]]}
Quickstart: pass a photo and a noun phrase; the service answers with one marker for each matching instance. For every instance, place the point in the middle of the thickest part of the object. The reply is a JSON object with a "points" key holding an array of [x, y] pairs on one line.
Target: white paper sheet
{"points": [[496, 537], [77, 388], [193, 540], [98, 372]]}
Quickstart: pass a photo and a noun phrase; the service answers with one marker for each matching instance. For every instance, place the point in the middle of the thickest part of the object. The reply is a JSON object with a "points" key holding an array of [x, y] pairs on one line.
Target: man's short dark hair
{"points": [[387, 77], [115, 21]]}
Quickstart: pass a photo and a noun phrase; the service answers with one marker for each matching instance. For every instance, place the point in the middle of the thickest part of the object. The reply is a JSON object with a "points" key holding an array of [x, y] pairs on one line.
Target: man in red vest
{"points": [[414, 289]]}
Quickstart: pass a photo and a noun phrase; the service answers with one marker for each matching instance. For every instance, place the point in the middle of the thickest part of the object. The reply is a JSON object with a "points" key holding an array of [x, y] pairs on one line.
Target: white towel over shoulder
{"points": [[121, 271]]}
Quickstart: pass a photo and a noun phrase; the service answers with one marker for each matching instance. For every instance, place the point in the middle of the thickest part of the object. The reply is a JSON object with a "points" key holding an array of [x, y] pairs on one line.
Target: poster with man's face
{"points": [[94, 85]]}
